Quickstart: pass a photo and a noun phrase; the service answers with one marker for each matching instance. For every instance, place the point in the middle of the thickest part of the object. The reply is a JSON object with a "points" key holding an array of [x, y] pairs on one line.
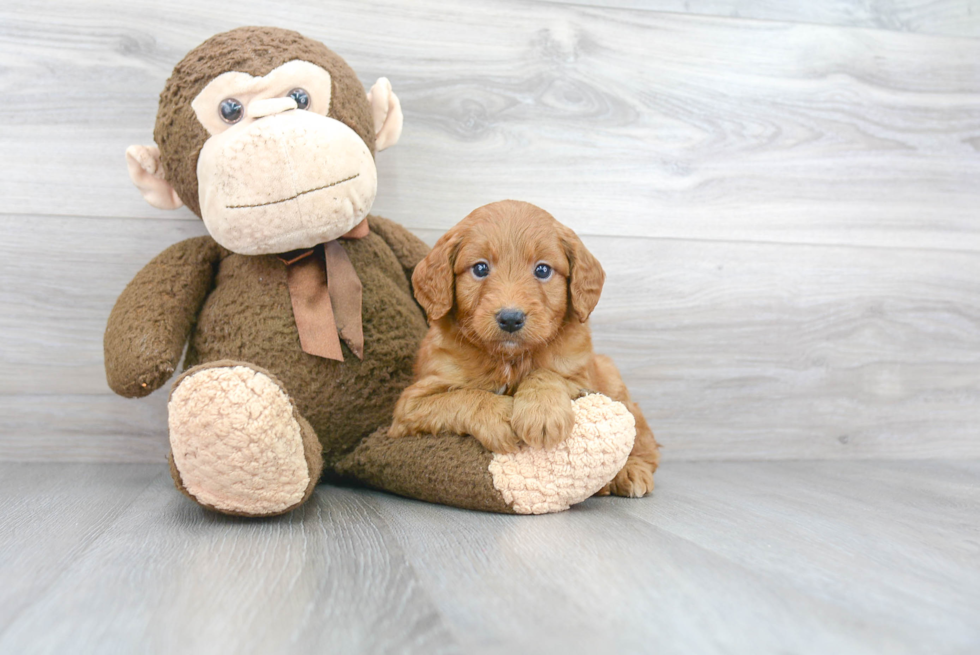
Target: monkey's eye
{"points": [[301, 97], [480, 270], [231, 110], [542, 272]]}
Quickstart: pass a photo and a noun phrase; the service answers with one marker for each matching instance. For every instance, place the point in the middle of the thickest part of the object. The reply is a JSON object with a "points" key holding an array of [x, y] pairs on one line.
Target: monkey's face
{"points": [[269, 137], [277, 173]]}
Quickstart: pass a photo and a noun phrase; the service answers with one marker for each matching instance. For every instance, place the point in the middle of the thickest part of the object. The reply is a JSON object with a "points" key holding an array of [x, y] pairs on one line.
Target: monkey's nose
{"points": [[269, 106], [510, 320]]}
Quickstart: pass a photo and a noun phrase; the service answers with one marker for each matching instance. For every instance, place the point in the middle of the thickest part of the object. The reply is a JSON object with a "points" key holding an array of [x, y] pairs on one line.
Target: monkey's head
{"points": [[270, 138]]}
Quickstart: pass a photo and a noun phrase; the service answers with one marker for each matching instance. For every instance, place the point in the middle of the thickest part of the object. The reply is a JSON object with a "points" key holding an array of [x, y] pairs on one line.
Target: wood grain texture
{"points": [[762, 557], [83, 428], [951, 17], [169, 578], [787, 212], [50, 516], [919, 572], [628, 123]]}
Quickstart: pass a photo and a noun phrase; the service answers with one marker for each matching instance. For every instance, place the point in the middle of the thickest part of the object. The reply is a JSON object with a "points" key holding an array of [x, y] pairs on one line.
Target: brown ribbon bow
{"points": [[326, 296]]}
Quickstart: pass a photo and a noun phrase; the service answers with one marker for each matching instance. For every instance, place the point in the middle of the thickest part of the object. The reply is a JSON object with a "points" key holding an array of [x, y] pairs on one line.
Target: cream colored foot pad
{"points": [[537, 481], [236, 442]]}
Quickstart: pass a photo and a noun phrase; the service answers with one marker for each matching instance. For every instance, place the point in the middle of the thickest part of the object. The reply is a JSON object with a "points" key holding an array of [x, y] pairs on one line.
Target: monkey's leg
{"points": [[459, 471], [238, 444]]}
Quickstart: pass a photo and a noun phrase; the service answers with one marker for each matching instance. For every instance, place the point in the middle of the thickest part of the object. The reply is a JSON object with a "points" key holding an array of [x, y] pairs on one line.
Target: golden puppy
{"points": [[508, 292]]}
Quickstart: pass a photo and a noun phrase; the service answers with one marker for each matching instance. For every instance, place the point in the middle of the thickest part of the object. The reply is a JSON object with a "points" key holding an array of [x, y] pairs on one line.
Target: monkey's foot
{"points": [[238, 444], [541, 481], [458, 471]]}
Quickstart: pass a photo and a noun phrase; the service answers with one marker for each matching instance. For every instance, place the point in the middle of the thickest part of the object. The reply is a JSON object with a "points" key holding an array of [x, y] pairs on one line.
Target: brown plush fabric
{"points": [[153, 316], [407, 247], [255, 51], [175, 474], [248, 318], [444, 469]]}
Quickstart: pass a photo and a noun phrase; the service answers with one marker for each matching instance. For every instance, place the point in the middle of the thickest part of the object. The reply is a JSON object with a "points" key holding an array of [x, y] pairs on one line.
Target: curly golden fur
{"points": [[506, 384]]}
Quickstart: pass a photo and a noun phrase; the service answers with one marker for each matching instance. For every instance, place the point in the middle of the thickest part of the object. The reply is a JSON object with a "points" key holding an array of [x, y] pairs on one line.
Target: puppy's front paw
{"points": [[498, 438], [398, 430], [492, 427], [541, 424]]}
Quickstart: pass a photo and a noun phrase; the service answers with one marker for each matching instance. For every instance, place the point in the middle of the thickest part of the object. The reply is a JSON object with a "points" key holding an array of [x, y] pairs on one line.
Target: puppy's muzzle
{"points": [[510, 320]]}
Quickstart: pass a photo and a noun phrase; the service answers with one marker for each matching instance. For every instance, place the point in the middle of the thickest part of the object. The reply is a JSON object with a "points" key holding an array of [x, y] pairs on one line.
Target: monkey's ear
{"points": [[434, 281], [387, 112], [147, 174]]}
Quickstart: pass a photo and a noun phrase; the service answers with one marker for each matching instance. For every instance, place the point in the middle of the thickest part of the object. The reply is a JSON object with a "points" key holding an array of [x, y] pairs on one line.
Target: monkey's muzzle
{"points": [[286, 181]]}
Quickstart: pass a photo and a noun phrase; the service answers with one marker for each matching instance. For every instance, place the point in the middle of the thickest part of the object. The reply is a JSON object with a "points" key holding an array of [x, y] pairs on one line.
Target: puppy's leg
{"points": [[636, 478], [428, 407], [543, 415]]}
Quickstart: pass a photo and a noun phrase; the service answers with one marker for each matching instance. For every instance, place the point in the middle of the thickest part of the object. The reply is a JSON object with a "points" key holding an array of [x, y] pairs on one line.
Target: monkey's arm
{"points": [[408, 248], [153, 316]]}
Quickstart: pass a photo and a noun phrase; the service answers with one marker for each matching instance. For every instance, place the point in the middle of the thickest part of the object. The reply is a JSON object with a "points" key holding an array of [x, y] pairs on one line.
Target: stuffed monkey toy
{"points": [[297, 310]]}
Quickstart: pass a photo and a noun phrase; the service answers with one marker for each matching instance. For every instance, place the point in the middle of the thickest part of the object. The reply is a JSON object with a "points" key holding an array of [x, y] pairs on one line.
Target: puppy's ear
{"points": [[585, 275], [433, 280]]}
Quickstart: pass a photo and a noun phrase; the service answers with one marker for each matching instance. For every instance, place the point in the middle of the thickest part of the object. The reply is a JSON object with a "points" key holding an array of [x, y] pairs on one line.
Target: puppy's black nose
{"points": [[510, 320]]}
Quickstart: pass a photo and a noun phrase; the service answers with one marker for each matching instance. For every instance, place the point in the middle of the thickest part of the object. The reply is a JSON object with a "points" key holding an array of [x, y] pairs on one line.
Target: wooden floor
{"points": [[726, 557]]}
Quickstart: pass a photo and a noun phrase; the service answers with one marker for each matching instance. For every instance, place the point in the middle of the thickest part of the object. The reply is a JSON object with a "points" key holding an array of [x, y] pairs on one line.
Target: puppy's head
{"points": [[510, 275]]}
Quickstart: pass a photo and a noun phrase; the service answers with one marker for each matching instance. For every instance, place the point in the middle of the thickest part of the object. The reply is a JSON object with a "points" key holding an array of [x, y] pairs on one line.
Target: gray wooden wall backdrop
{"points": [[786, 196]]}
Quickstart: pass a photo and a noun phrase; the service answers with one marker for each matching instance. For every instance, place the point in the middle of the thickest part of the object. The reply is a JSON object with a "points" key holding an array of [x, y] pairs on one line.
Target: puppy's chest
{"points": [[506, 376]]}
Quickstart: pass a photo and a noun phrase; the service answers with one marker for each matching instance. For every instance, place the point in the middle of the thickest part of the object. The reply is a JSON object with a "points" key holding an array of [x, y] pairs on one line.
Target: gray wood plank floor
{"points": [[726, 557]]}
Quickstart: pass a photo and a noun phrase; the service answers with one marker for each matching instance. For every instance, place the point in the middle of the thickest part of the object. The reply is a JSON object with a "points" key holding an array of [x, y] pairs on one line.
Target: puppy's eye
{"points": [[542, 271], [480, 270], [231, 110]]}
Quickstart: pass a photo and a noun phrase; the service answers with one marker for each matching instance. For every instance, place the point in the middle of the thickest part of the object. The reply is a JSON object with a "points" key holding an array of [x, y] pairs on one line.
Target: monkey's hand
{"points": [[152, 318]]}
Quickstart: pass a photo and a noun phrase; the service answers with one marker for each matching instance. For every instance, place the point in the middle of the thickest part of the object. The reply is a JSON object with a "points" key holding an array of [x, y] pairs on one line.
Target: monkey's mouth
{"points": [[301, 193]]}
